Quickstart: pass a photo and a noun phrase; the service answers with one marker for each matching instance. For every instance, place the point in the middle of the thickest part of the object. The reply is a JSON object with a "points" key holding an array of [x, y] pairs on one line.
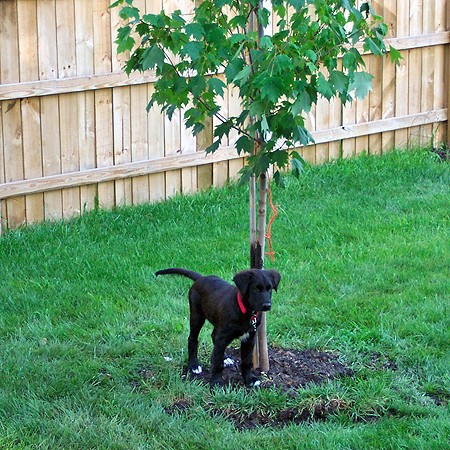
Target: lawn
{"points": [[92, 345]]}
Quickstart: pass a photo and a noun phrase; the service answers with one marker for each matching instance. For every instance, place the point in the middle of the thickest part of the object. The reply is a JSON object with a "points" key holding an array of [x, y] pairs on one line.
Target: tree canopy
{"points": [[315, 51]]}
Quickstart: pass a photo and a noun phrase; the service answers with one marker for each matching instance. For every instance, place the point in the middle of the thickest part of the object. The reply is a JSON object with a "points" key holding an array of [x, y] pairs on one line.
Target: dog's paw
{"points": [[229, 362], [253, 382], [197, 370]]}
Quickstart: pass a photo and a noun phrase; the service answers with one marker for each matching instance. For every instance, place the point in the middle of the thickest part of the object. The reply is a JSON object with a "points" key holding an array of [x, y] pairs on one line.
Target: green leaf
{"points": [[362, 84], [233, 68], [272, 89], [244, 144], [311, 55], [217, 85], [281, 63], [243, 75], [280, 158], [395, 55], [349, 61], [195, 30], [323, 87], [370, 44], [129, 12], [279, 179], [365, 8], [152, 57], [264, 124], [298, 163], [223, 129], [303, 103], [124, 40], [339, 81], [154, 19], [213, 147], [246, 173], [302, 135], [266, 43], [192, 49]]}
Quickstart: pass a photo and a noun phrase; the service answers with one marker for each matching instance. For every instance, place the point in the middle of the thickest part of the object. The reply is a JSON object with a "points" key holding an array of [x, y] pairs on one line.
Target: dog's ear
{"points": [[276, 277], [242, 280]]}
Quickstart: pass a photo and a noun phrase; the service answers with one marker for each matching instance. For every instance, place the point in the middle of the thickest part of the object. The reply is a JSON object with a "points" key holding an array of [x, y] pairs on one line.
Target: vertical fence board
{"points": [[139, 143], [375, 102], [442, 8], [30, 107], [349, 118], [51, 154], [188, 142], [428, 58], [401, 74], [155, 120], [322, 123], [12, 123], [172, 140], [362, 116], [172, 128], [122, 141], [188, 175], [388, 76], [204, 172], [415, 69], [2, 174], [103, 100], [121, 119], [157, 181], [84, 50], [335, 121], [68, 105], [48, 70]]}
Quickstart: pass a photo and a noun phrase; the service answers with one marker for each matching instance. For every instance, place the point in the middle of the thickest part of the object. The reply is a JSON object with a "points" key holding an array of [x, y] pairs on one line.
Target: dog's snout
{"points": [[267, 306]]}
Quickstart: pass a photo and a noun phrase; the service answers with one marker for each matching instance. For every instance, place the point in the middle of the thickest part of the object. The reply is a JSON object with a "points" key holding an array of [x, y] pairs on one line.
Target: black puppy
{"points": [[233, 311]]}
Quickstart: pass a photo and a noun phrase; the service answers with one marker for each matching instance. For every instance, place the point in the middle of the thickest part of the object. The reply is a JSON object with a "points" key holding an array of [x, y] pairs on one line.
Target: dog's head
{"points": [[256, 287]]}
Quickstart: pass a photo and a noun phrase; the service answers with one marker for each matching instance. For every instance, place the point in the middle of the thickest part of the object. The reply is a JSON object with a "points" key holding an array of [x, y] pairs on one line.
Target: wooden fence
{"points": [[74, 129]]}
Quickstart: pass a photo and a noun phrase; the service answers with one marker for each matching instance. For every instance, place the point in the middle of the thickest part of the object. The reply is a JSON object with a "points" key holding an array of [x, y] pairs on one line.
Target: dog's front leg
{"points": [[247, 346]]}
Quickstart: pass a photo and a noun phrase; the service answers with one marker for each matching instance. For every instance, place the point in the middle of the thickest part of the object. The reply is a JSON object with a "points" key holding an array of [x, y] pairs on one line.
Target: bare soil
{"points": [[289, 369]]}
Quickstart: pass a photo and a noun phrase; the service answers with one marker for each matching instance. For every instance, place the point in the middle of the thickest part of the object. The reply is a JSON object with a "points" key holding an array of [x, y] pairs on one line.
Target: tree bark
{"points": [[257, 246]]}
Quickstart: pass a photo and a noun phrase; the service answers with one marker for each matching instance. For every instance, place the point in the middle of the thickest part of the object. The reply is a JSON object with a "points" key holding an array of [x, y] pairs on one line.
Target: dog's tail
{"points": [[178, 271]]}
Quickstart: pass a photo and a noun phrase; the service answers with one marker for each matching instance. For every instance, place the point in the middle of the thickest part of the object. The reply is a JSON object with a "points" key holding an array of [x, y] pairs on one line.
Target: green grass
{"points": [[363, 249]]}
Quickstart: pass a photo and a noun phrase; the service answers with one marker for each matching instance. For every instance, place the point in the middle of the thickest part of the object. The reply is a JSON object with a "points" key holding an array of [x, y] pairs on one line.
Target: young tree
{"points": [[316, 50]]}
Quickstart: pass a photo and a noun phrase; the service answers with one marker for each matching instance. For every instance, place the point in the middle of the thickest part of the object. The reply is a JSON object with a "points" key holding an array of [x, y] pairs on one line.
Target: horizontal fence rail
{"points": [[74, 131]]}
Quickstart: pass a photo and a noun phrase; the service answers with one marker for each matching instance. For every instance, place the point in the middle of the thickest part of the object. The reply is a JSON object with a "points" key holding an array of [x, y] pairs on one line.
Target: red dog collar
{"points": [[241, 303]]}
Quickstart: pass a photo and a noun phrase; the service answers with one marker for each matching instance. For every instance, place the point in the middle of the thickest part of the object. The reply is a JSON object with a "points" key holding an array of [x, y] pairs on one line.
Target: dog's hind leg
{"points": [[197, 320], [228, 361], [221, 342]]}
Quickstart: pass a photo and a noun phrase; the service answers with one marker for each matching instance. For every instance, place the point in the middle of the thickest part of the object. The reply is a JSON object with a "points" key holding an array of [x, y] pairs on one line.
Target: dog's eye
{"points": [[259, 288]]}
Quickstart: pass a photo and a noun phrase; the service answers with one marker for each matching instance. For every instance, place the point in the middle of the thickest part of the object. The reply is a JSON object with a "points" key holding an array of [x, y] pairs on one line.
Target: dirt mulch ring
{"points": [[289, 369]]}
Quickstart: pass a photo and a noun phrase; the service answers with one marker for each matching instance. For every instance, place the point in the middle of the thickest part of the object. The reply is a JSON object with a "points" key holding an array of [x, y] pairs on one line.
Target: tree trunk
{"points": [[258, 227], [257, 245]]}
